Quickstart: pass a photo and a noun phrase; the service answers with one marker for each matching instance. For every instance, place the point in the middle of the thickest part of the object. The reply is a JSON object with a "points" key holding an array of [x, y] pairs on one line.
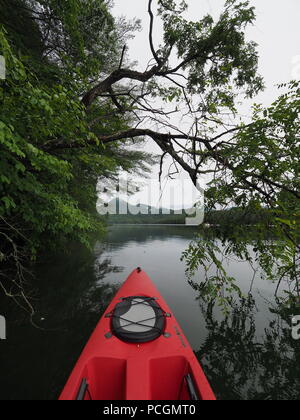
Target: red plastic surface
{"points": [[116, 370]]}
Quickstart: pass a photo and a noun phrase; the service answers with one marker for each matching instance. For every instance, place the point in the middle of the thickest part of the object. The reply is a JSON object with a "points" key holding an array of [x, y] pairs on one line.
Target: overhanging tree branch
{"points": [[157, 59]]}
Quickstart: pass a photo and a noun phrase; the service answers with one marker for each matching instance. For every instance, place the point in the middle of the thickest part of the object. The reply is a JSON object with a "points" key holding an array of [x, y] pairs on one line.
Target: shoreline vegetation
{"points": [[147, 215]]}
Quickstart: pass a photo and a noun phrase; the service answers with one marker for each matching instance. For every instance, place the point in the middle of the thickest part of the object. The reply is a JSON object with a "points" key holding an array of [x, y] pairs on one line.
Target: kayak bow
{"points": [[138, 352]]}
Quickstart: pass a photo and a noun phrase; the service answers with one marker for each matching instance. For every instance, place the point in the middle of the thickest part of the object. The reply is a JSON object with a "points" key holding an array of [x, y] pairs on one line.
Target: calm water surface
{"points": [[247, 355]]}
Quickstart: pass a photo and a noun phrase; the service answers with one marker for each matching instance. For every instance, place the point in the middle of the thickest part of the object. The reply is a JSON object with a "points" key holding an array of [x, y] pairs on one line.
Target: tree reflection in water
{"points": [[243, 366], [69, 301]]}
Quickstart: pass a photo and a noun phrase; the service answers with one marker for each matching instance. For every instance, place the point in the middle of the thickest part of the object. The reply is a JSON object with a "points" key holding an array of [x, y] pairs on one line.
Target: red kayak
{"points": [[138, 352]]}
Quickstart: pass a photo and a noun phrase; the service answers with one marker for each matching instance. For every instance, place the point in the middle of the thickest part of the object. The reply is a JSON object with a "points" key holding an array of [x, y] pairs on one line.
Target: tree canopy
{"points": [[48, 196], [72, 102]]}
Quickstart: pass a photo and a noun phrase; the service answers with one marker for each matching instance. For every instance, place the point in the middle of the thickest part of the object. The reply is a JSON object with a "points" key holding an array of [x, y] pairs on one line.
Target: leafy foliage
{"points": [[48, 196], [264, 179], [224, 60]]}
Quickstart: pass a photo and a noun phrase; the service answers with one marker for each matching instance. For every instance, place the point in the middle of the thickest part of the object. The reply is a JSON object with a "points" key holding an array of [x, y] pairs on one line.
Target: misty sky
{"points": [[276, 32]]}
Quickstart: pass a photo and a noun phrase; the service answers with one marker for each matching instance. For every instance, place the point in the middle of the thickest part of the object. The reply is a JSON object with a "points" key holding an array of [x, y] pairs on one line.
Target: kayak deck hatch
{"points": [[138, 319]]}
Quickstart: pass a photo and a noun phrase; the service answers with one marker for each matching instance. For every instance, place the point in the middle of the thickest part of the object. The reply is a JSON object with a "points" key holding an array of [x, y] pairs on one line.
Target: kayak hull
{"points": [[116, 370]]}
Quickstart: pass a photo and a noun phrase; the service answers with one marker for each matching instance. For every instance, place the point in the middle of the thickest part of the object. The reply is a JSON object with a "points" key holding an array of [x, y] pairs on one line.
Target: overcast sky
{"points": [[276, 32]]}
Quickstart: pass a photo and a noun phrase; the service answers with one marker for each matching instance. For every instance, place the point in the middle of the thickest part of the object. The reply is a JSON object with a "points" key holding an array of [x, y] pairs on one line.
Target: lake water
{"points": [[249, 354]]}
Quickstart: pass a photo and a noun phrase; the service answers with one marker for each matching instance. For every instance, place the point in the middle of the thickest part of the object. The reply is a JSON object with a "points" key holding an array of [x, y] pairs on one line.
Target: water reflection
{"points": [[69, 301], [124, 234], [244, 366]]}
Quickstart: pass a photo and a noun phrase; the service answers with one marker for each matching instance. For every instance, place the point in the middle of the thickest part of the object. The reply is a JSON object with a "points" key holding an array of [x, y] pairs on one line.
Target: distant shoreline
{"points": [[234, 216], [150, 224]]}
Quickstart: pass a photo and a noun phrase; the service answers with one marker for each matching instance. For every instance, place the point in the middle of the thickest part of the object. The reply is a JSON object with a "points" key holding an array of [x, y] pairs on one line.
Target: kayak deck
{"points": [[164, 368]]}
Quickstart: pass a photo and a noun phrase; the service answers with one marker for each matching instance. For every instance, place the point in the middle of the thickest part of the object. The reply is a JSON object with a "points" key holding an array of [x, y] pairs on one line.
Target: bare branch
{"points": [[151, 33], [115, 101], [122, 56], [113, 78]]}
